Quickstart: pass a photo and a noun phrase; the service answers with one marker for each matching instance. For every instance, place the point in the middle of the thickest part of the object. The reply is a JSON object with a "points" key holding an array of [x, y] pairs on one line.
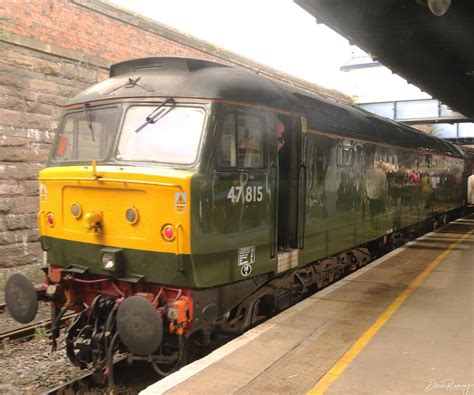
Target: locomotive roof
{"points": [[196, 78], [187, 78]]}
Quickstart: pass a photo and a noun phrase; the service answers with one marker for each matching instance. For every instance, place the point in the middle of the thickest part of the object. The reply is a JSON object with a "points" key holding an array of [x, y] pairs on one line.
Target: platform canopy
{"points": [[435, 53]]}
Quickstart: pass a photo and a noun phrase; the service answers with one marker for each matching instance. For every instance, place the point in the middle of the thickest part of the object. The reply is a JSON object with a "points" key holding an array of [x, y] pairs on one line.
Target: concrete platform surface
{"points": [[404, 324]]}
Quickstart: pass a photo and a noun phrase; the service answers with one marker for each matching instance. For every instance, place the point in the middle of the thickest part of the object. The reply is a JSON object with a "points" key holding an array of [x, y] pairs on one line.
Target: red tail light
{"points": [[50, 219], [168, 232]]}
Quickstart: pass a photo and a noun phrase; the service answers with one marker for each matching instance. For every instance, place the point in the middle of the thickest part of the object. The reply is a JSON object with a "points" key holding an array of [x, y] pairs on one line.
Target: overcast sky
{"points": [[277, 33]]}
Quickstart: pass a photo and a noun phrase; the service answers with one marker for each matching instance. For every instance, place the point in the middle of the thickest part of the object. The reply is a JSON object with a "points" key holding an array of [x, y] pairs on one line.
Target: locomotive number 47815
{"points": [[245, 194]]}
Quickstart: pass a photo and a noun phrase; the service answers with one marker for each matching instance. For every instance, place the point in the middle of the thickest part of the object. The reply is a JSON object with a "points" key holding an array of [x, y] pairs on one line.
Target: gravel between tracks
{"points": [[30, 367]]}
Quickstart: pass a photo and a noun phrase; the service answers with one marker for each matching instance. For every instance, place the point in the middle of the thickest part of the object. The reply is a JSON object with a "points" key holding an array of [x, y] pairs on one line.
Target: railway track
{"points": [[79, 385], [129, 379], [27, 332]]}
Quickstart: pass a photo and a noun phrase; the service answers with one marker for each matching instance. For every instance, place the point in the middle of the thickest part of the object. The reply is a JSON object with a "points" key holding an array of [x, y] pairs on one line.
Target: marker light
{"points": [[76, 210], [132, 215], [50, 219], [168, 232]]}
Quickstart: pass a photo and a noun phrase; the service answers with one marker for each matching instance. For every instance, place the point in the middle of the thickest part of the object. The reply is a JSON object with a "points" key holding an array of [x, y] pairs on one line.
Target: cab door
{"points": [[244, 193], [291, 192]]}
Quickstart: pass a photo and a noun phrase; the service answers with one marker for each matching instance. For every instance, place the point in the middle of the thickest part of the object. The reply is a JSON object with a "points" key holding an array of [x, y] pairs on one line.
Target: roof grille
{"points": [[162, 63]]}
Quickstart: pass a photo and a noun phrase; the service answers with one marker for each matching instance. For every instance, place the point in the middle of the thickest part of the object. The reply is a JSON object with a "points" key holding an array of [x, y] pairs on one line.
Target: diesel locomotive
{"points": [[184, 197]]}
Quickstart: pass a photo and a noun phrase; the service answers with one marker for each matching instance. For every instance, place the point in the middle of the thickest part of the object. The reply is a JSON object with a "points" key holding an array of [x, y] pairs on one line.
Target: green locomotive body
{"points": [[343, 178], [218, 195]]}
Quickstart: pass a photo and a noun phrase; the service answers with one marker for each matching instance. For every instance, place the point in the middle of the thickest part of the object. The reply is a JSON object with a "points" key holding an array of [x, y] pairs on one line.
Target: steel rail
{"points": [[83, 383], [76, 385], [27, 332]]}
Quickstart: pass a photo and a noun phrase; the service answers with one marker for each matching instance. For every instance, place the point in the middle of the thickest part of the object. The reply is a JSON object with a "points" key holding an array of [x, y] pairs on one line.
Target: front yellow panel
{"points": [[158, 196]]}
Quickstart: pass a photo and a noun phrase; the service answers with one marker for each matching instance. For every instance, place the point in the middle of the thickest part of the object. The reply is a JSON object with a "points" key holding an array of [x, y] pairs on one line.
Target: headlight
{"points": [[108, 262]]}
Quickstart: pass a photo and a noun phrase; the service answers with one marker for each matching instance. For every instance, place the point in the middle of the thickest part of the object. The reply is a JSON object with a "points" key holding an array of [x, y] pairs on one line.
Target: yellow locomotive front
{"points": [[120, 186]]}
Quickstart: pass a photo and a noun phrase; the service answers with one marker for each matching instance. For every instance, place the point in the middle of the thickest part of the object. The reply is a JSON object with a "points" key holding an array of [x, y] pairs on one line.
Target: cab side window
{"points": [[242, 142], [227, 151]]}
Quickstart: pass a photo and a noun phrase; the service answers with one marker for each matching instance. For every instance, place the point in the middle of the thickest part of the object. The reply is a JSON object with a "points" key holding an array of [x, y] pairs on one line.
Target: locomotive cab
{"points": [[167, 191]]}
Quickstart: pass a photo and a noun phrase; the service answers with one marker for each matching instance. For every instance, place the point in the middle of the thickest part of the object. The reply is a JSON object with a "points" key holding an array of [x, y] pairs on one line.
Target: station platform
{"points": [[403, 324]]}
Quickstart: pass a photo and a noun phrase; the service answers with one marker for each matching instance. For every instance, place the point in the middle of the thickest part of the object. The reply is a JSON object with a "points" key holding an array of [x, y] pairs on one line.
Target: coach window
{"points": [[242, 142], [345, 156], [428, 161]]}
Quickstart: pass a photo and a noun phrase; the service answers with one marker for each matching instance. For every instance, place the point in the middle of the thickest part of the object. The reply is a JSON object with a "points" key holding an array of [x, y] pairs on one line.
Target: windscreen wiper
{"points": [[130, 83], [158, 113], [89, 120]]}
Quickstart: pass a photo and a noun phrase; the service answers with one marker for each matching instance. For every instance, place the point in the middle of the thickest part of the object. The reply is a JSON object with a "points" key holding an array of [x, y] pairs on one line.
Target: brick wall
{"points": [[33, 87], [50, 50]]}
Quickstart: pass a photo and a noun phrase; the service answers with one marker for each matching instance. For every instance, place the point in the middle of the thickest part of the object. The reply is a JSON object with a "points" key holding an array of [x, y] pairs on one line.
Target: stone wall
{"points": [[50, 50]]}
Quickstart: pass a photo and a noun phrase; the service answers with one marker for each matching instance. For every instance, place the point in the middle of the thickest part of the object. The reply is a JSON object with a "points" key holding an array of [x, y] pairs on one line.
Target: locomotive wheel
{"points": [[21, 298], [139, 326]]}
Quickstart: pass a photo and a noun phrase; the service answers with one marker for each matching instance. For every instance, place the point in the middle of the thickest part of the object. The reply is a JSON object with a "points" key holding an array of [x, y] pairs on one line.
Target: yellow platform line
{"points": [[338, 368]]}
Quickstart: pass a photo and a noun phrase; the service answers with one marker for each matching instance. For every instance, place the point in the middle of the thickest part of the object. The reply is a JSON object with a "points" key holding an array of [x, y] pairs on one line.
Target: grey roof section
{"points": [[186, 78]]}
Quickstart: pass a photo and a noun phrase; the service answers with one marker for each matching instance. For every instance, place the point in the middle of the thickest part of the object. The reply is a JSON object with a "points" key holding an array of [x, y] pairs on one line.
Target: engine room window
{"points": [[85, 135], [345, 156], [173, 137], [242, 141]]}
